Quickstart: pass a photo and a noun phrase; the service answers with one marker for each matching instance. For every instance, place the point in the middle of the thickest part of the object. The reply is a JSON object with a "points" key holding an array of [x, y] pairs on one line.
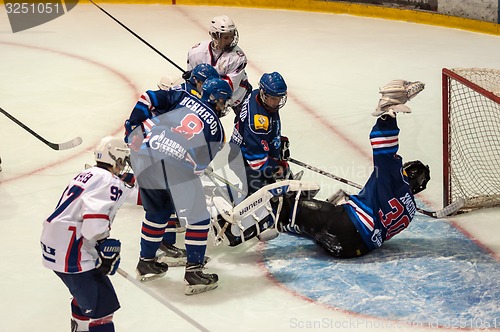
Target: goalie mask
{"points": [[418, 175], [223, 27], [272, 91], [114, 152]]}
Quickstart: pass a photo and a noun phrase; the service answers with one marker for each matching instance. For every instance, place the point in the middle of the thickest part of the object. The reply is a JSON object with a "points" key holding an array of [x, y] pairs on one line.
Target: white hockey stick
{"points": [[446, 211], [56, 146], [161, 300]]}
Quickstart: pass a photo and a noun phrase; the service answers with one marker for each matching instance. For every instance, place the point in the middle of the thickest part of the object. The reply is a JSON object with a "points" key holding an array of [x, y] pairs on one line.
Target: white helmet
{"points": [[112, 151], [169, 81], [223, 24]]}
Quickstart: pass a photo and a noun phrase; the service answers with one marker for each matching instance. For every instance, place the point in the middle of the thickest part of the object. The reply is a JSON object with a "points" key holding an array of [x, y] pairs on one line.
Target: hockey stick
{"points": [[61, 146], [446, 211], [317, 170], [210, 173], [161, 300], [138, 37]]}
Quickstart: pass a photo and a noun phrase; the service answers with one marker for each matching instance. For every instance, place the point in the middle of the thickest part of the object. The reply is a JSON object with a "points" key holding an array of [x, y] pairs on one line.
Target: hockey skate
{"points": [[172, 256], [198, 282], [150, 269]]}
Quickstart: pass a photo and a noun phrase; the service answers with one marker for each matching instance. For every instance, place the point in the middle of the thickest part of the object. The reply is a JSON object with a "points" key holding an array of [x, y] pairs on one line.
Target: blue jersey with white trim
{"points": [[153, 103], [175, 126], [258, 133], [385, 206]]}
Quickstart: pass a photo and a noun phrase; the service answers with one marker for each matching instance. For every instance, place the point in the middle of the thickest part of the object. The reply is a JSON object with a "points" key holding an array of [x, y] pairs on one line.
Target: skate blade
{"points": [[171, 261], [197, 289], [149, 277], [176, 262]]}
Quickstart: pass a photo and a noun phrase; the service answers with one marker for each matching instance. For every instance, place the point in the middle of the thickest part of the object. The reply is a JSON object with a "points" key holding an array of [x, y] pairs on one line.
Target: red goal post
{"points": [[471, 136]]}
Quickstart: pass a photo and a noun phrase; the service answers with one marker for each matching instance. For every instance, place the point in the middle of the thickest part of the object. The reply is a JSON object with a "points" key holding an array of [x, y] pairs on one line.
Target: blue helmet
{"points": [[273, 85], [215, 91], [202, 72]]}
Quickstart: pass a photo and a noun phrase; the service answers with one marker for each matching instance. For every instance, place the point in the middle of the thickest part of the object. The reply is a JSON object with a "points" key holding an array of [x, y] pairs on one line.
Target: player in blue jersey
{"points": [[194, 81], [174, 135], [169, 253], [352, 225], [257, 132]]}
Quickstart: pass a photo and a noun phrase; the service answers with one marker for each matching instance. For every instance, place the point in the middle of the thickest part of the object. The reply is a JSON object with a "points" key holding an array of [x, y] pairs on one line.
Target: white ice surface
{"points": [[81, 74]]}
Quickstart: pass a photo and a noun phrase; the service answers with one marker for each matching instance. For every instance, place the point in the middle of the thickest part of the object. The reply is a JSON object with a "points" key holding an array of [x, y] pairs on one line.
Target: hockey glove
{"points": [[109, 256], [186, 75], [282, 170], [128, 178], [284, 148]]}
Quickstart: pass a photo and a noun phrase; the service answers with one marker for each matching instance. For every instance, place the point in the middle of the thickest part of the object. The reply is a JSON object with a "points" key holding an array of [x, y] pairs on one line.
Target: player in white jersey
{"points": [[224, 54], [75, 238]]}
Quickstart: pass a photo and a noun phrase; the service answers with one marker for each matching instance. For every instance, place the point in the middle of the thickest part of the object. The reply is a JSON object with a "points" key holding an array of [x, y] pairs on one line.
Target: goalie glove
{"points": [[109, 256], [395, 94]]}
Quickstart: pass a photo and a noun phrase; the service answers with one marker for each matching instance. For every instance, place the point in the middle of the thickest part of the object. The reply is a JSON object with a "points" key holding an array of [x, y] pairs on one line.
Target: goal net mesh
{"points": [[471, 123]]}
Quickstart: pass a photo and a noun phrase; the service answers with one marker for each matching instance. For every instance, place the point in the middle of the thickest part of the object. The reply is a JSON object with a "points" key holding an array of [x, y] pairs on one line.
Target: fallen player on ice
{"points": [[344, 225]]}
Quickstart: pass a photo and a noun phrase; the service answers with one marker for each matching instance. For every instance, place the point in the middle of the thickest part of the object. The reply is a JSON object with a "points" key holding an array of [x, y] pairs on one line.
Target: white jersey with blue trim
{"points": [[230, 66], [83, 216]]}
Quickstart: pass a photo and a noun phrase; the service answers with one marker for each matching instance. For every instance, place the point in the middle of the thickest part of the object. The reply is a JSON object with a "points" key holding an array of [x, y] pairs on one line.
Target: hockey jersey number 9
{"points": [[83, 216]]}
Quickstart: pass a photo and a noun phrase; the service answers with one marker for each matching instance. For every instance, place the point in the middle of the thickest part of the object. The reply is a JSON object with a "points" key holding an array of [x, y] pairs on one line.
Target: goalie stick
{"points": [[446, 211], [56, 146]]}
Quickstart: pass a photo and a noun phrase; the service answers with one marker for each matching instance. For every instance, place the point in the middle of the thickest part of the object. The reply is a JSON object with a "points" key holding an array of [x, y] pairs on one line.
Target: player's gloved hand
{"points": [[284, 148], [128, 178], [281, 171], [109, 256], [186, 75], [128, 129]]}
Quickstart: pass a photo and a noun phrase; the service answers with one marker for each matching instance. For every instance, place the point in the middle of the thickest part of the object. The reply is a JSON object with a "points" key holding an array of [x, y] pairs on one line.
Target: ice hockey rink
{"points": [[81, 74]]}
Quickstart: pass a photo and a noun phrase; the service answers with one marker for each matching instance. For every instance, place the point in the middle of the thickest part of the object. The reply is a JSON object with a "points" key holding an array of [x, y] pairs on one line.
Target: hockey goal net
{"points": [[471, 136]]}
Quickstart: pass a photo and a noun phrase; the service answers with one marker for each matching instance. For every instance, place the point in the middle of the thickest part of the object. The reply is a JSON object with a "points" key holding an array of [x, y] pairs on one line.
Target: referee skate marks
{"points": [[430, 275]]}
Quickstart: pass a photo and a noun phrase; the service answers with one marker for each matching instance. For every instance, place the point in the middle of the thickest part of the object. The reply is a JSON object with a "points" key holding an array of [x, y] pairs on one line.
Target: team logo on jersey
{"points": [[261, 122], [377, 237], [169, 147]]}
